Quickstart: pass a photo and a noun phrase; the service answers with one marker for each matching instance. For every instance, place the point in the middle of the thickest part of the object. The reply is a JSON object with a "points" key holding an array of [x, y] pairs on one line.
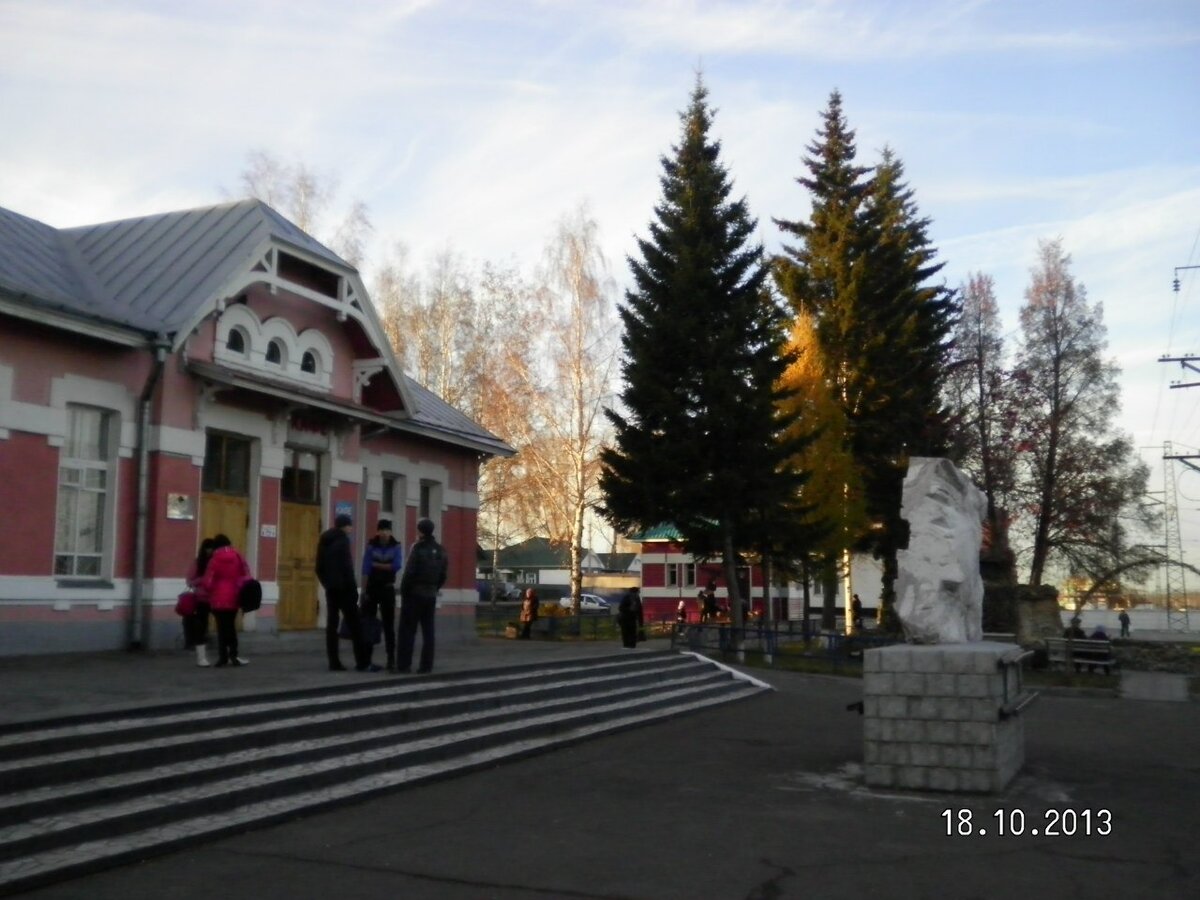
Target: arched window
{"points": [[308, 363], [275, 353], [236, 342]]}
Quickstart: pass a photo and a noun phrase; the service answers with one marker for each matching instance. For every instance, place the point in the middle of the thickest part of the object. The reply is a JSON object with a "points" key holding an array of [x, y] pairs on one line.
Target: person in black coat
{"points": [[629, 617], [335, 571], [424, 573]]}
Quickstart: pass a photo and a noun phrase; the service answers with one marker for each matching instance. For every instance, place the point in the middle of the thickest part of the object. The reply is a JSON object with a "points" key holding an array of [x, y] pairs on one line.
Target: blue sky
{"points": [[477, 124]]}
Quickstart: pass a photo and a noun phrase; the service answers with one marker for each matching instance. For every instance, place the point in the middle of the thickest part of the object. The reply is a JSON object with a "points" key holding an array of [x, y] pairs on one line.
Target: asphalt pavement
{"points": [[757, 799]]}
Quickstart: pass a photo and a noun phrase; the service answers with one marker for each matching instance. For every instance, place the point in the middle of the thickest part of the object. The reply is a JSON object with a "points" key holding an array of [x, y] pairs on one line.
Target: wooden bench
{"points": [[1084, 653]]}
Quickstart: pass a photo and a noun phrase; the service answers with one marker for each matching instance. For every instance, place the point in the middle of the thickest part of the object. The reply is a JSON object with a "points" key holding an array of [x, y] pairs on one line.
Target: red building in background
{"points": [[671, 574], [166, 378]]}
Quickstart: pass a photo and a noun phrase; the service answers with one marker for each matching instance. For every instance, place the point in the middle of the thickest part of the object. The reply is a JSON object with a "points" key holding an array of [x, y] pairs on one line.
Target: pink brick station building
{"points": [[166, 378]]}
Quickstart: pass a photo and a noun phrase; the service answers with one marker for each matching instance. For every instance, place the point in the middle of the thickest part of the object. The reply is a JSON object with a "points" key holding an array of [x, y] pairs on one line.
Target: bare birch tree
{"points": [[566, 394], [305, 196]]}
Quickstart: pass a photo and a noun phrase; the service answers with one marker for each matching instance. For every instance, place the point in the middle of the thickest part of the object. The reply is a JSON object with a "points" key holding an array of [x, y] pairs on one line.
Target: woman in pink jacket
{"points": [[195, 626], [223, 579]]}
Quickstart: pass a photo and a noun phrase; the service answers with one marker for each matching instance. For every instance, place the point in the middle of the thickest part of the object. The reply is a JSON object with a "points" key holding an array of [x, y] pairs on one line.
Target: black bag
{"points": [[250, 595], [372, 629]]}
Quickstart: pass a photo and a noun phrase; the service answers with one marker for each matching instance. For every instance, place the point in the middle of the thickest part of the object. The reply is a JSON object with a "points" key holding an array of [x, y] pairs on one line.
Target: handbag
{"points": [[249, 595], [372, 629], [185, 605]]}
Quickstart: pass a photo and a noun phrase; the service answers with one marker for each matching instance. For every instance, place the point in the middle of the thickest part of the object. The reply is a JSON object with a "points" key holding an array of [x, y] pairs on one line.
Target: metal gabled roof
{"points": [[36, 265], [151, 273], [156, 274], [160, 269], [435, 415]]}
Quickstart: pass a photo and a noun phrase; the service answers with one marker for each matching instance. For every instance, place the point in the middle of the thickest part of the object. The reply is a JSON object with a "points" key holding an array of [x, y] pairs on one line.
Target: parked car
{"points": [[588, 603]]}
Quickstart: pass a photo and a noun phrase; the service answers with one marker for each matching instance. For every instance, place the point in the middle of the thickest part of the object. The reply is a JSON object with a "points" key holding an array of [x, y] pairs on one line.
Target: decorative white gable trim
{"points": [[364, 371], [256, 337], [350, 303]]}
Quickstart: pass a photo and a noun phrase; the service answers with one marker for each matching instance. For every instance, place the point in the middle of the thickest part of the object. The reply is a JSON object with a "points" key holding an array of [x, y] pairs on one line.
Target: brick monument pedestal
{"points": [[943, 717]]}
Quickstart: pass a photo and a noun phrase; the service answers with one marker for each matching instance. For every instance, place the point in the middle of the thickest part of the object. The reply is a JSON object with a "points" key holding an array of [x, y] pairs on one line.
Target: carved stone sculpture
{"points": [[939, 591]]}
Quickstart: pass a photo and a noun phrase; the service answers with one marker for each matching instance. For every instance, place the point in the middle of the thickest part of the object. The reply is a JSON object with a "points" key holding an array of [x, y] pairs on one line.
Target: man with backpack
{"points": [[423, 576]]}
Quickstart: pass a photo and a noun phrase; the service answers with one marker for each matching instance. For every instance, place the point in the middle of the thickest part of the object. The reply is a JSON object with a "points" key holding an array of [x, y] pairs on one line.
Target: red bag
{"points": [[186, 604]]}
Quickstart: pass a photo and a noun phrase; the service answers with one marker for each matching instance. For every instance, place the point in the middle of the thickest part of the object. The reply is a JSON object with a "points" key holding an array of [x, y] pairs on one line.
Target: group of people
{"points": [[215, 579], [421, 576], [216, 576]]}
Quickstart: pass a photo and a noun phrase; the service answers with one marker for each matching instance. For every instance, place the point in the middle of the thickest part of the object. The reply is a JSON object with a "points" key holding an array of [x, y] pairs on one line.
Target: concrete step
{"points": [[102, 790]]}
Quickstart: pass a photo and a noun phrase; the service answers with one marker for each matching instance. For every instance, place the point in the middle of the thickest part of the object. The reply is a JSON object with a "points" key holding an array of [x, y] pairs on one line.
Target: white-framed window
{"points": [[429, 506], [275, 355], [308, 363], [681, 574], [85, 475], [237, 342]]}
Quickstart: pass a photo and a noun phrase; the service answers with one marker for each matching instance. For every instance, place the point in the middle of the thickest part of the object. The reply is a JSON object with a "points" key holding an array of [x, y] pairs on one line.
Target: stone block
{"points": [[926, 707], [897, 658], [941, 779], [976, 732], [913, 778], [940, 685], [926, 754], [872, 729], [894, 754], [879, 683], [871, 753], [958, 757], [927, 659], [887, 729], [911, 684], [941, 732], [911, 730], [872, 661], [983, 756], [893, 707], [972, 686], [871, 707], [984, 709]]}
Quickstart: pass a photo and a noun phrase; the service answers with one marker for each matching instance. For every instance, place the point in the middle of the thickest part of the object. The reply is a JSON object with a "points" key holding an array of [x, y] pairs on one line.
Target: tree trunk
{"points": [[731, 585], [829, 586], [577, 559]]}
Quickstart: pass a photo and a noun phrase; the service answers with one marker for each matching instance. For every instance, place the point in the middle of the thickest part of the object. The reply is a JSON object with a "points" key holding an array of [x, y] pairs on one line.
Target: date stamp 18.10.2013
{"points": [[1015, 822]]}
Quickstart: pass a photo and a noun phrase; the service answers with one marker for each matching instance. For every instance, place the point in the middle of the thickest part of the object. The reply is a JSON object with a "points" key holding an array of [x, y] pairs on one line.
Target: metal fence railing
{"points": [[776, 642], [499, 620]]}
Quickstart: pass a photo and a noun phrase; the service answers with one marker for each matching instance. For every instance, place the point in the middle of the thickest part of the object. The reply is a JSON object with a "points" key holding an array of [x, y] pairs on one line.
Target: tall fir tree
{"points": [[699, 438], [862, 268]]}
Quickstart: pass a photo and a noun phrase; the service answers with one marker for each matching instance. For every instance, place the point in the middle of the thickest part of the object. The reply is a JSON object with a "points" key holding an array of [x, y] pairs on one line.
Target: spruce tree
{"points": [[698, 440], [862, 268]]}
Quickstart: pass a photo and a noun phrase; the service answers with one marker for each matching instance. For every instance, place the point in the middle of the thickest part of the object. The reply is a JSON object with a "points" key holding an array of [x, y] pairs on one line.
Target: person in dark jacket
{"points": [[424, 574], [529, 611], [381, 563], [629, 617], [335, 571]]}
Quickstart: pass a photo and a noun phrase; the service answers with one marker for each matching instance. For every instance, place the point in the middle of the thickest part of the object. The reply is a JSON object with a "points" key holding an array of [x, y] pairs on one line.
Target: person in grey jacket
{"points": [[335, 571], [424, 574]]}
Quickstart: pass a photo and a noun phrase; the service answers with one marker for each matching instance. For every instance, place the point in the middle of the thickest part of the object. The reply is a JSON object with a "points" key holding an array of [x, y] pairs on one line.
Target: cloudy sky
{"points": [[476, 124]]}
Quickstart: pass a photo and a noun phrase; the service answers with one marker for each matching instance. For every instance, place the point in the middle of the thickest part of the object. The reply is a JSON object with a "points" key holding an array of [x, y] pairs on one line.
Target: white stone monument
{"points": [[941, 712], [939, 591]]}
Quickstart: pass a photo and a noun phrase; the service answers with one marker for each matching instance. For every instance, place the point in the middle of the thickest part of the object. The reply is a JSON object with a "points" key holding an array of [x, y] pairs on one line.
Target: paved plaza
{"points": [[758, 799]]}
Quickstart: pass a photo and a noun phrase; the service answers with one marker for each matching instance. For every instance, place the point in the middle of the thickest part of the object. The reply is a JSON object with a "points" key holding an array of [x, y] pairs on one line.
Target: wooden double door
{"points": [[228, 515]]}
